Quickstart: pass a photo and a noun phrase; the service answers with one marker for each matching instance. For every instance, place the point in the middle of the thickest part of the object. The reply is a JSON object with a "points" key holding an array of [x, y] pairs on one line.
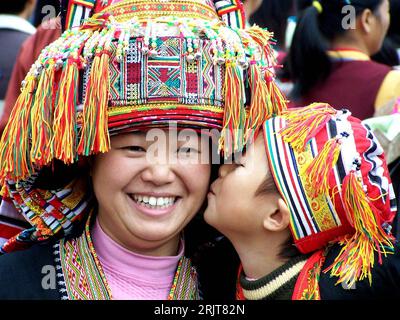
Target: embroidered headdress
{"points": [[134, 65], [332, 173]]}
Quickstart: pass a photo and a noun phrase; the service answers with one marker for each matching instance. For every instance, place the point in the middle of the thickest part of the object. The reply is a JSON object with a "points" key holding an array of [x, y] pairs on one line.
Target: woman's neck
{"points": [[132, 243], [341, 43]]}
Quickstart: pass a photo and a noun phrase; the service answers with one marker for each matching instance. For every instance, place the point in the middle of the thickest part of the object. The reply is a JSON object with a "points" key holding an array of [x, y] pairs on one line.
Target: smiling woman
{"points": [[105, 153], [144, 204]]}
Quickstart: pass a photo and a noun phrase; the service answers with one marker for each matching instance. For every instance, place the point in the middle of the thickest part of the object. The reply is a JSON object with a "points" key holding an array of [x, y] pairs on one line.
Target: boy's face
{"points": [[146, 194], [233, 204]]}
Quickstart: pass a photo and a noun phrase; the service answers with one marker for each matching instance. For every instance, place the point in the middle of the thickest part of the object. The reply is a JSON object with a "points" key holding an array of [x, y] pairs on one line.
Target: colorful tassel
{"points": [[94, 133], [64, 125], [14, 147], [356, 258], [303, 125], [261, 105], [42, 118], [317, 172], [232, 135], [277, 98]]}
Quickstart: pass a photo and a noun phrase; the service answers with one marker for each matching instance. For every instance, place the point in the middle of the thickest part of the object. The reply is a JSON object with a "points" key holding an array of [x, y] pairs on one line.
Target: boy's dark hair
{"points": [[12, 7], [288, 249]]}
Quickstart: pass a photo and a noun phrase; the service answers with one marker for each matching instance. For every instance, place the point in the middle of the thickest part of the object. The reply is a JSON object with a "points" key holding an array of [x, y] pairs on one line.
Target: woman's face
{"points": [[380, 26], [149, 188]]}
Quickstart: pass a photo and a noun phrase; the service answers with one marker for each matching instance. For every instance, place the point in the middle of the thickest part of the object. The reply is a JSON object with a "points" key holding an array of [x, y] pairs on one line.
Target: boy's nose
{"points": [[225, 169]]}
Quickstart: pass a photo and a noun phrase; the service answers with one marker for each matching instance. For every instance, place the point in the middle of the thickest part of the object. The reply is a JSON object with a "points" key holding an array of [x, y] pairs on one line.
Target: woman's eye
{"points": [[135, 148]]}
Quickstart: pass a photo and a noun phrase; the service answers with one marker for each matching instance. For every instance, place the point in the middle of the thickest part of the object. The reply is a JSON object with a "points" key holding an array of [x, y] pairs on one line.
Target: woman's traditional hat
{"points": [[134, 65]]}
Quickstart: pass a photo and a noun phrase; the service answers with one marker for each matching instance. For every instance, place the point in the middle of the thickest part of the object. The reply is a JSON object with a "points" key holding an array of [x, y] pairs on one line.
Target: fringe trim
{"points": [[356, 259], [232, 135], [303, 125], [317, 172], [14, 154], [94, 135], [42, 118], [64, 127]]}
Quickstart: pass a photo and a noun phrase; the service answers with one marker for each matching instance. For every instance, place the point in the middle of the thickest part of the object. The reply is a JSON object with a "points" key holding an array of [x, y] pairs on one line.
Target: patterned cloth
{"points": [[81, 276]]}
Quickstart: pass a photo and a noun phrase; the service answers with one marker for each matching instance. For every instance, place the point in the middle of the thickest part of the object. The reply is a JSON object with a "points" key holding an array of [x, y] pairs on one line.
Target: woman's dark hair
{"points": [[308, 60], [394, 28], [12, 7], [388, 54], [273, 15]]}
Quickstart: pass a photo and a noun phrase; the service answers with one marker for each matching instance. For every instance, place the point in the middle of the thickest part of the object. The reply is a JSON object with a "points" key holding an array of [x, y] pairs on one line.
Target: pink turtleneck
{"points": [[132, 276]]}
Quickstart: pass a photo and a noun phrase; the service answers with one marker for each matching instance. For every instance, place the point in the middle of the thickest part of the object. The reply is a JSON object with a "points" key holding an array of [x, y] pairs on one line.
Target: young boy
{"points": [[312, 219]]}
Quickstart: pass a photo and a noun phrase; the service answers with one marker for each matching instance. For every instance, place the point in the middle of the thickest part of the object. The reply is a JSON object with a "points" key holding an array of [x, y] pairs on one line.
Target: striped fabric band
{"points": [[308, 215]]}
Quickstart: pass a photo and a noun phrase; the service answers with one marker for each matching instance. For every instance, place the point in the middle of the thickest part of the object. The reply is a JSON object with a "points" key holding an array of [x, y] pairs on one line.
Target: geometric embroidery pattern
{"points": [[164, 71], [143, 78]]}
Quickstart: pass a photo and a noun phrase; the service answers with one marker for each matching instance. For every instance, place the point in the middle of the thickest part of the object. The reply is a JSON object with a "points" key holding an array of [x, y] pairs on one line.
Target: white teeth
{"points": [[154, 202]]}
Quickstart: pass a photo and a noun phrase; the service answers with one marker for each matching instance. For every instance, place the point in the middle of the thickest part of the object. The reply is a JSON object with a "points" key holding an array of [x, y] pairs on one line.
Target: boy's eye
{"points": [[187, 150]]}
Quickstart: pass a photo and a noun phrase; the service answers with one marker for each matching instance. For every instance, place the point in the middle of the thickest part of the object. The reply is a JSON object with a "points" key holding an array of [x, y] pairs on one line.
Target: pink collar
{"points": [[129, 264]]}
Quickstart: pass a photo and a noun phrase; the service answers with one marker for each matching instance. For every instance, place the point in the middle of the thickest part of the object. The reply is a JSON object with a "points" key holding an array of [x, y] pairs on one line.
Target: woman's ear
{"points": [[279, 219], [366, 20]]}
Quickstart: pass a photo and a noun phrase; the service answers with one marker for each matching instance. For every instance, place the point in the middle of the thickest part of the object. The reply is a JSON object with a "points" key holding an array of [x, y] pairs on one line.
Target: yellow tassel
{"points": [[317, 172], [42, 119], [304, 124], [261, 105], [262, 37], [94, 134], [14, 146], [278, 99], [356, 259], [232, 135], [64, 125], [275, 97]]}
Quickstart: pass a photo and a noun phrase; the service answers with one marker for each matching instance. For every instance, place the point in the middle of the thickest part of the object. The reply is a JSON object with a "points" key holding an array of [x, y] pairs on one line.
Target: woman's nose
{"points": [[158, 174]]}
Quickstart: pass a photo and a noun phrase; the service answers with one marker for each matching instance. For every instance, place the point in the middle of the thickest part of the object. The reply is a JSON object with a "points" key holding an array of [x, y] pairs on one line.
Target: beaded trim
{"points": [[154, 8]]}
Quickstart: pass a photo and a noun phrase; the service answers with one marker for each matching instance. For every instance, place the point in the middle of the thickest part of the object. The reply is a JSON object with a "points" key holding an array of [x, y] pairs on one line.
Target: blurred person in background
{"points": [[278, 16], [14, 29], [330, 56], [390, 52]]}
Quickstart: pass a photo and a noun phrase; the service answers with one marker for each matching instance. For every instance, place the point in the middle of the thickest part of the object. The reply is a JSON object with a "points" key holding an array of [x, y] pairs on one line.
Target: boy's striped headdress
{"points": [[331, 171], [135, 65]]}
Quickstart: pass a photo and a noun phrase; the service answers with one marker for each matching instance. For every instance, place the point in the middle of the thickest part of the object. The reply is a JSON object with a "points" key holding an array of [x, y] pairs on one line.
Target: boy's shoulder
{"points": [[385, 279], [29, 274]]}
